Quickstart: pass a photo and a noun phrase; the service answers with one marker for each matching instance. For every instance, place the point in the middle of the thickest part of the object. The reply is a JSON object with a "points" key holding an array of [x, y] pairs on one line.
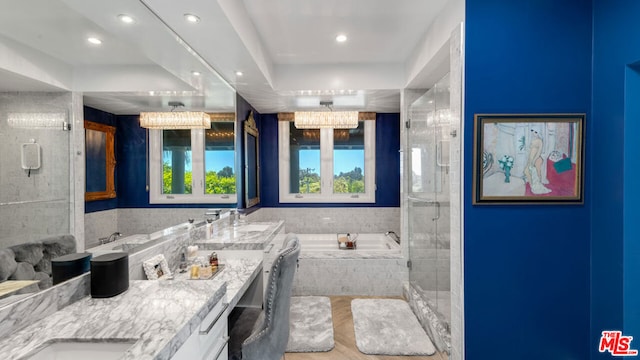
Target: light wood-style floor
{"points": [[344, 337]]}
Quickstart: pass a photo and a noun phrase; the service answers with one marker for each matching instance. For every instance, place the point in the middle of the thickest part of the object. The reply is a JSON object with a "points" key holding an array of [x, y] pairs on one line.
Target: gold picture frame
{"points": [[100, 156], [528, 159]]}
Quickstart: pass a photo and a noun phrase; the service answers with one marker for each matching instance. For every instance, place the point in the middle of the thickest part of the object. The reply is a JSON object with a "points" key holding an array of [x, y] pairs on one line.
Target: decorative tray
{"points": [[220, 268]]}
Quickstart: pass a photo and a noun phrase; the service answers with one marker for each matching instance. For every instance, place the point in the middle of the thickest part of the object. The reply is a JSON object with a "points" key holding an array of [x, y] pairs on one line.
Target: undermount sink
{"points": [[74, 349], [252, 227]]}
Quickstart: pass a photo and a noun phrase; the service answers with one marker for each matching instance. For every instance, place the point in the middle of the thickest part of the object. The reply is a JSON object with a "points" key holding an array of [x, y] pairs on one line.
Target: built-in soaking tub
{"points": [[371, 244], [375, 267]]}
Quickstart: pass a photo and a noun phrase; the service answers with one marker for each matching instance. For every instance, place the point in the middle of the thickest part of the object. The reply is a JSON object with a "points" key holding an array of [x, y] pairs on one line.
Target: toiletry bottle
{"points": [[213, 261], [183, 263]]}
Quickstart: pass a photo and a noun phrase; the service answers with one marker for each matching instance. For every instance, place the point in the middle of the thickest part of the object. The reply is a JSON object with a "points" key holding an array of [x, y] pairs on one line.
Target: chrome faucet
{"points": [[395, 236], [110, 238], [212, 214]]}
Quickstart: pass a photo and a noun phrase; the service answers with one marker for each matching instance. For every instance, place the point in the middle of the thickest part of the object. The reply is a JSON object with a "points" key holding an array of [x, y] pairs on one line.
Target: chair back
{"points": [[269, 338]]}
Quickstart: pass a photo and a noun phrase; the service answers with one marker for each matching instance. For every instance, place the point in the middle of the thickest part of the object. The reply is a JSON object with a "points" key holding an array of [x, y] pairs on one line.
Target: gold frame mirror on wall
{"points": [[100, 161], [251, 162]]}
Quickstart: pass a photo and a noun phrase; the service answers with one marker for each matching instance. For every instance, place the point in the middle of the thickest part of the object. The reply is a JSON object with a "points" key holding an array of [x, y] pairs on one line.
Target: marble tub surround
{"points": [[372, 276], [132, 241], [244, 236], [159, 314], [332, 220]]}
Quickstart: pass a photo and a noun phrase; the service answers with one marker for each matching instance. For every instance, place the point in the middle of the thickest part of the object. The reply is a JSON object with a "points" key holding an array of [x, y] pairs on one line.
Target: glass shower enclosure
{"points": [[428, 210]]}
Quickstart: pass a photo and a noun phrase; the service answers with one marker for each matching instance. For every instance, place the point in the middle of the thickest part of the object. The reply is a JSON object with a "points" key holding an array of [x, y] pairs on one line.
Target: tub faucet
{"points": [[110, 238], [395, 236], [212, 215]]}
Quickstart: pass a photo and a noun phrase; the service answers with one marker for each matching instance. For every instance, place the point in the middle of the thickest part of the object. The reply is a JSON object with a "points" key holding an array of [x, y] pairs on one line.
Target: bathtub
{"points": [[375, 267], [373, 243]]}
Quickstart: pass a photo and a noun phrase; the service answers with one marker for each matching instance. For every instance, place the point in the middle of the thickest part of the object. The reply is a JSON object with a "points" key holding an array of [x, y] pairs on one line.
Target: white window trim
{"points": [[197, 195], [326, 194]]}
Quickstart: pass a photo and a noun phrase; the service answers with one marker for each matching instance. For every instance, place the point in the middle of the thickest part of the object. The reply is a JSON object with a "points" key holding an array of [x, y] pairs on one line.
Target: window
{"points": [[327, 165], [193, 166]]}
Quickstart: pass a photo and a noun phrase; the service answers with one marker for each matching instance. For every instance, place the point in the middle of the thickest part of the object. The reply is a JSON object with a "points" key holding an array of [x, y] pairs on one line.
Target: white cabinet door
{"points": [[210, 339]]}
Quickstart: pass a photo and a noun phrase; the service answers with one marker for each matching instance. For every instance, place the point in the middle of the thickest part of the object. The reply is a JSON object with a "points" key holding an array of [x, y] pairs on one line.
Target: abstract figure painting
{"points": [[535, 158]]}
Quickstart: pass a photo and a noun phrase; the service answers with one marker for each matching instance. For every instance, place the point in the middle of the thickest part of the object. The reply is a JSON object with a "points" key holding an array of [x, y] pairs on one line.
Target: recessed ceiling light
{"points": [[191, 18], [239, 73], [195, 73], [341, 38], [94, 40], [126, 19]]}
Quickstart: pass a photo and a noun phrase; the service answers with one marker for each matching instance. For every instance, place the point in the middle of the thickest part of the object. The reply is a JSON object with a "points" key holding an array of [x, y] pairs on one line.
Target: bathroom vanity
{"points": [[160, 319]]}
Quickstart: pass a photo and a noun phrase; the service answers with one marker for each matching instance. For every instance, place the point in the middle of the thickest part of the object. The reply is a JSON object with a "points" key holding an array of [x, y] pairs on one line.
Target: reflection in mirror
{"points": [[220, 155], [100, 161], [252, 162]]}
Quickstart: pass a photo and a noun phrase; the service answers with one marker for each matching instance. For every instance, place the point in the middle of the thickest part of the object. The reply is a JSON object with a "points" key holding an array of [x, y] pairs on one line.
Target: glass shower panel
{"points": [[34, 202], [428, 196]]}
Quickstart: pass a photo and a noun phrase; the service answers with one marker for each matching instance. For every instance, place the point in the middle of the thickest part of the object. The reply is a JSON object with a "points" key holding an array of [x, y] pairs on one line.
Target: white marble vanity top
{"points": [[159, 314], [243, 236]]}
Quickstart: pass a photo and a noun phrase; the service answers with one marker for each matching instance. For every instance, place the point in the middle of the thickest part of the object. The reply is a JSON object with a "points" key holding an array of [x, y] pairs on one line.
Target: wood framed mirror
{"points": [[251, 162], [100, 161]]}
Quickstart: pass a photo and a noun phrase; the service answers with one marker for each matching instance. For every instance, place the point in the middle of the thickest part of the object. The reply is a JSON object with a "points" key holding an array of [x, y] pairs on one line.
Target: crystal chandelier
{"points": [[175, 119], [326, 119], [43, 120]]}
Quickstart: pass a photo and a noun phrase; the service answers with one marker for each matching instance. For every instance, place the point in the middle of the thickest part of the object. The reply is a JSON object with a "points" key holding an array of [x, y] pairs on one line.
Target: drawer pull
{"points": [[270, 246], [206, 332]]}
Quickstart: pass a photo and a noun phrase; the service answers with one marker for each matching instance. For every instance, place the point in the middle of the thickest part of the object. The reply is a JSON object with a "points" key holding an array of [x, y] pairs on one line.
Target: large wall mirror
{"points": [[251, 162], [100, 161]]}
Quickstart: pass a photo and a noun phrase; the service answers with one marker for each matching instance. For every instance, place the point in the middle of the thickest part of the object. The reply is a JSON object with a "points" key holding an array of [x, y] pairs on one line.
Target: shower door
{"points": [[428, 197]]}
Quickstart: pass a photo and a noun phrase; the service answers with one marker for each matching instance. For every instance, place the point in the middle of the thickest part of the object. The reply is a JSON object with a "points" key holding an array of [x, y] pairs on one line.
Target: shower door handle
{"points": [[437, 204]]}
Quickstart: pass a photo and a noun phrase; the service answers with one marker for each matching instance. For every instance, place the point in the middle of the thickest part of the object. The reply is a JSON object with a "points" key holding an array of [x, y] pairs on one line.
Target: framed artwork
{"points": [[100, 161], [157, 268], [528, 158]]}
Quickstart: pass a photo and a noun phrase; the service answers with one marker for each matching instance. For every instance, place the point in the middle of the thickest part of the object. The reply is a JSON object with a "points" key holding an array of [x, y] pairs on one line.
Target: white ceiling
{"points": [[286, 50]]}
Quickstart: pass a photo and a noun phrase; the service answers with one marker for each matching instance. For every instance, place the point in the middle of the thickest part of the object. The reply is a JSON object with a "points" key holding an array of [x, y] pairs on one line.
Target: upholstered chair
{"points": [[270, 334]]}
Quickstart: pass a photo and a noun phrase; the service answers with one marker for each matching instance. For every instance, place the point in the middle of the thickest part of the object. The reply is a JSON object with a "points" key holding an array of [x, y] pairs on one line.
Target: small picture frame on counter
{"points": [[157, 268]]}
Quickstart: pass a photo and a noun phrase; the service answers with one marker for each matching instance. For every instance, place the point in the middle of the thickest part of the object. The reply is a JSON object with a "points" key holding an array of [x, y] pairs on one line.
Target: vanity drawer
{"points": [[209, 340]]}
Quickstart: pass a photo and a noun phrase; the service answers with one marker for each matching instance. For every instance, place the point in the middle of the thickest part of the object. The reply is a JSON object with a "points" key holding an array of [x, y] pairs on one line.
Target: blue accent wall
{"points": [[615, 245], [132, 163], [101, 117], [527, 267], [387, 163]]}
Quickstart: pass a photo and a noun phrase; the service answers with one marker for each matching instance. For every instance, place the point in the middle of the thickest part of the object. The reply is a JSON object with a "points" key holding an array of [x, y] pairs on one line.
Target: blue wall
{"points": [[387, 163], [527, 267], [131, 167], [101, 117], [615, 287]]}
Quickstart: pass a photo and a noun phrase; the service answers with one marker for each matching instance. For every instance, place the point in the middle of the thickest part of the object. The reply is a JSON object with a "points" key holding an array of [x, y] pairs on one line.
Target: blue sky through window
{"points": [[214, 160], [344, 160]]}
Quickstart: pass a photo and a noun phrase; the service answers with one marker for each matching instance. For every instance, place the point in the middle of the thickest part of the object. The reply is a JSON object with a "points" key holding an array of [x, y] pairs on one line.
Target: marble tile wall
{"points": [[35, 205], [332, 220], [147, 220], [456, 54], [98, 225]]}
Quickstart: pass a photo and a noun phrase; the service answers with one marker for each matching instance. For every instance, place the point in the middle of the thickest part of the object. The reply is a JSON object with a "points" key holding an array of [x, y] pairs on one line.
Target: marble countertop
{"points": [[160, 314], [244, 236]]}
